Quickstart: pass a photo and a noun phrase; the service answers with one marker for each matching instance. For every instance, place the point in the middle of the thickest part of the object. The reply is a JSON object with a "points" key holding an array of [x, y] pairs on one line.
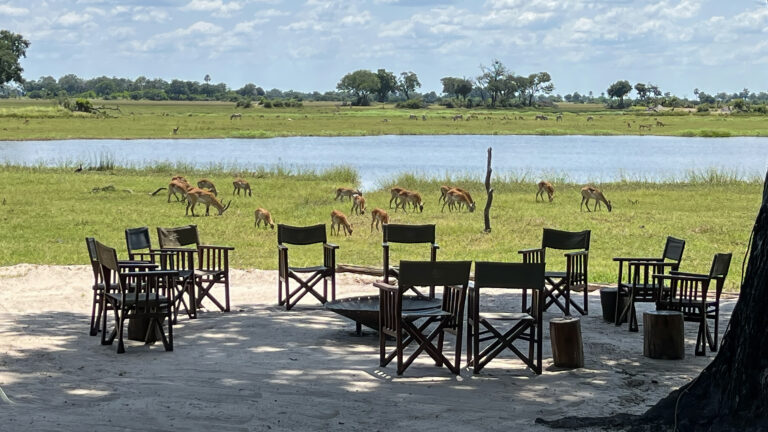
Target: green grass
{"points": [[48, 212], [23, 119]]}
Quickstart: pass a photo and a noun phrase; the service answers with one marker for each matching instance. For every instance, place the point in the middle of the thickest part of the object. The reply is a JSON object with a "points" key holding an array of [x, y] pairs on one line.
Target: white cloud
{"points": [[149, 14], [73, 18], [217, 7], [13, 11], [357, 19]]}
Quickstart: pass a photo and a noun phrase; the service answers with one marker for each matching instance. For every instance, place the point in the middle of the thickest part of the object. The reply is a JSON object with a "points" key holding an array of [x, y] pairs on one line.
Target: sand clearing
{"points": [[261, 368]]}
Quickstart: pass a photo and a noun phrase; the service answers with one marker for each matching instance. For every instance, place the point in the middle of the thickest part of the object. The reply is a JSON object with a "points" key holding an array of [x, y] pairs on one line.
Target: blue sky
{"points": [[679, 45]]}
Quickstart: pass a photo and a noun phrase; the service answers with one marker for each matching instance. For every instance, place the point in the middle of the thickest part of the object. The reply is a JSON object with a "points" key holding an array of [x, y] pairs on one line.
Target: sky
{"points": [[309, 45]]}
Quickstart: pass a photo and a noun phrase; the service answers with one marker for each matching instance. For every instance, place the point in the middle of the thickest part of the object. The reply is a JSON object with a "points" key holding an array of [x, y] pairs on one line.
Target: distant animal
{"points": [[236, 116], [424, 117], [629, 125], [458, 117], [660, 123], [541, 117], [263, 215], [395, 192], [26, 121], [590, 118], [444, 193], [385, 120], [358, 204], [443, 190], [197, 195], [454, 198], [520, 118], [79, 169], [207, 184], [243, 185], [591, 192], [175, 130], [178, 185], [412, 117], [559, 118], [346, 192], [645, 126], [339, 221], [379, 217], [409, 197], [545, 186]]}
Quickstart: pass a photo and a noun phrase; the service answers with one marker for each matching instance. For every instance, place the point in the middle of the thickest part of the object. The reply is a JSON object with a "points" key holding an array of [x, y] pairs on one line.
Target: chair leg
{"points": [[586, 298], [440, 339], [469, 343], [94, 330], [333, 286], [120, 325], [226, 292], [280, 300], [104, 321], [382, 349], [457, 356], [717, 328], [399, 342]]}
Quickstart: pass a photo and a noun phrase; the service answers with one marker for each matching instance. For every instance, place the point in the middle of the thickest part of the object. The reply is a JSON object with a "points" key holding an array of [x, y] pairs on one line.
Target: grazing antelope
{"points": [[197, 195], [455, 198], [412, 117], [379, 217], [545, 186], [241, 184], [339, 221], [590, 118], [443, 190], [358, 204], [207, 184], [645, 126], [591, 192], [178, 185], [263, 215], [395, 192], [346, 192], [408, 197], [458, 117], [660, 123], [559, 117], [236, 116], [542, 117]]}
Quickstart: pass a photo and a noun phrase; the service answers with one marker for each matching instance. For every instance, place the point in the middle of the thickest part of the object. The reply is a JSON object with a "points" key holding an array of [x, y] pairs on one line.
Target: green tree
{"points": [[619, 89], [540, 82], [360, 84], [491, 79], [12, 47], [408, 83], [642, 91], [387, 84]]}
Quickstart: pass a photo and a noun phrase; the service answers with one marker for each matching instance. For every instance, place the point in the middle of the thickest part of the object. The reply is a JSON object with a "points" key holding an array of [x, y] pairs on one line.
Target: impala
{"points": [[395, 192], [197, 195], [346, 192], [545, 186], [358, 204], [407, 197], [178, 185], [339, 221], [263, 215], [455, 198], [243, 185], [379, 217], [207, 184], [591, 192]]}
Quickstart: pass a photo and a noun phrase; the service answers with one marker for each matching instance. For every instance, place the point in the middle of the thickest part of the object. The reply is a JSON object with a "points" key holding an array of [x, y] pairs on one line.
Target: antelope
{"points": [[591, 192], [444, 190], [407, 197], [176, 130], [379, 217], [205, 183], [412, 117], [660, 123], [346, 192], [590, 118], [236, 116], [559, 117], [180, 185], [545, 186], [263, 215], [358, 204], [542, 117], [195, 195], [395, 192], [339, 221], [241, 184], [645, 126], [458, 117], [456, 196]]}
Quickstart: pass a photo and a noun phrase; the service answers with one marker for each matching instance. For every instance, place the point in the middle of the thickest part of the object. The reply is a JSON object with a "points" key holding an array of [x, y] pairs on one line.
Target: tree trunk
{"points": [[731, 393], [489, 191]]}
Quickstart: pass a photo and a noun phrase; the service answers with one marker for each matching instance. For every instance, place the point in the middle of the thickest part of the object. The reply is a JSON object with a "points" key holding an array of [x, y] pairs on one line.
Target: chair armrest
{"points": [[329, 255], [638, 262], [135, 265], [228, 248], [535, 255], [682, 277], [527, 251], [385, 244], [386, 286], [330, 246], [435, 246], [282, 260], [577, 253], [679, 273], [621, 259]]}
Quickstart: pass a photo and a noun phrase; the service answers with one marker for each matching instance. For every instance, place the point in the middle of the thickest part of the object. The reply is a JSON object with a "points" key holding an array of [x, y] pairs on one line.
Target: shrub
{"points": [[244, 103], [83, 105], [412, 104], [702, 108]]}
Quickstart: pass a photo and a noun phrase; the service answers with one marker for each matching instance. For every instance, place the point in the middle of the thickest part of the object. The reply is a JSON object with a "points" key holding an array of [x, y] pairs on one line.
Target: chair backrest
{"points": [[90, 242], [509, 275], [434, 273], [301, 235], [107, 262], [398, 233], [565, 240], [673, 249], [178, 237], [720, 265], [137, 239]]}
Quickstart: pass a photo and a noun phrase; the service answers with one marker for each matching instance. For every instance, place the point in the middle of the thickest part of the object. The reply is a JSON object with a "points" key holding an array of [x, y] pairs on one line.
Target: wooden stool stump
{"points": [[567, 348], [663, 335], [608, 298]]}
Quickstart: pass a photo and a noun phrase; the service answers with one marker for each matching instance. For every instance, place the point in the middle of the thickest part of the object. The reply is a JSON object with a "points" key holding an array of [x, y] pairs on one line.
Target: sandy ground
{"points": [[261, 368]]}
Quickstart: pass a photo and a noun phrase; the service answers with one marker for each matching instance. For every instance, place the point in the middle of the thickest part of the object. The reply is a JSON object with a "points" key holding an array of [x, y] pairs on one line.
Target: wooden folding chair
{"points": [[409, 234], [141, 295], [306, 277], [404, 326], [524, 326], [690, 294], [212, 262], [576, 274]]}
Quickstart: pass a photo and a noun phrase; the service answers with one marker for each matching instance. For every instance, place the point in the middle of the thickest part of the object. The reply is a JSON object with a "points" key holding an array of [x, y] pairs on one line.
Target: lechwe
{"points": [[358, 204], [207, 184], [263, 215], [338, 221], [545, 186], [346, 192], [243, 185], [455, 198], [197, 195], [444, 191], [395, 192], [591, 192], [409, 197], [178, 185], [379, 217]]}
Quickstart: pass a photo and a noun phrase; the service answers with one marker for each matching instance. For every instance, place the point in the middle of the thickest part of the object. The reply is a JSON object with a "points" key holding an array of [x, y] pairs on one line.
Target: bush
{"points": [[83, 105], [411, 104], [702, 108], [244, 103], [267, 103]]}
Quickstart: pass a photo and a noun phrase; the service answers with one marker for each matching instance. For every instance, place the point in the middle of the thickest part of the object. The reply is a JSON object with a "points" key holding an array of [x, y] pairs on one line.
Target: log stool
{"points": [[663, 335], [608, 297], [565, 335]]}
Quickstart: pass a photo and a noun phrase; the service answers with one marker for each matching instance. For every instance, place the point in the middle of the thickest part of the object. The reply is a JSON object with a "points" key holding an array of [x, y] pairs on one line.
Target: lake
{"points": [[378, 159]]}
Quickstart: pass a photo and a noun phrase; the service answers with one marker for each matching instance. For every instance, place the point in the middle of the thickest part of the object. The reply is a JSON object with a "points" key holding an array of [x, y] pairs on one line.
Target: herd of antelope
{"points": [[455, 198]]}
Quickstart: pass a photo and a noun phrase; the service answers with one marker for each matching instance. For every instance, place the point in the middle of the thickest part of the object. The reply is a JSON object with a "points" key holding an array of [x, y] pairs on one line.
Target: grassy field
{"points": [[47, 212], [25, 119]]}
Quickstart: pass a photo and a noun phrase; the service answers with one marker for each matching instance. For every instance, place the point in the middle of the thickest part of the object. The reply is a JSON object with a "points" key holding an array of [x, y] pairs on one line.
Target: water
{"points": [[380, 158]]}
